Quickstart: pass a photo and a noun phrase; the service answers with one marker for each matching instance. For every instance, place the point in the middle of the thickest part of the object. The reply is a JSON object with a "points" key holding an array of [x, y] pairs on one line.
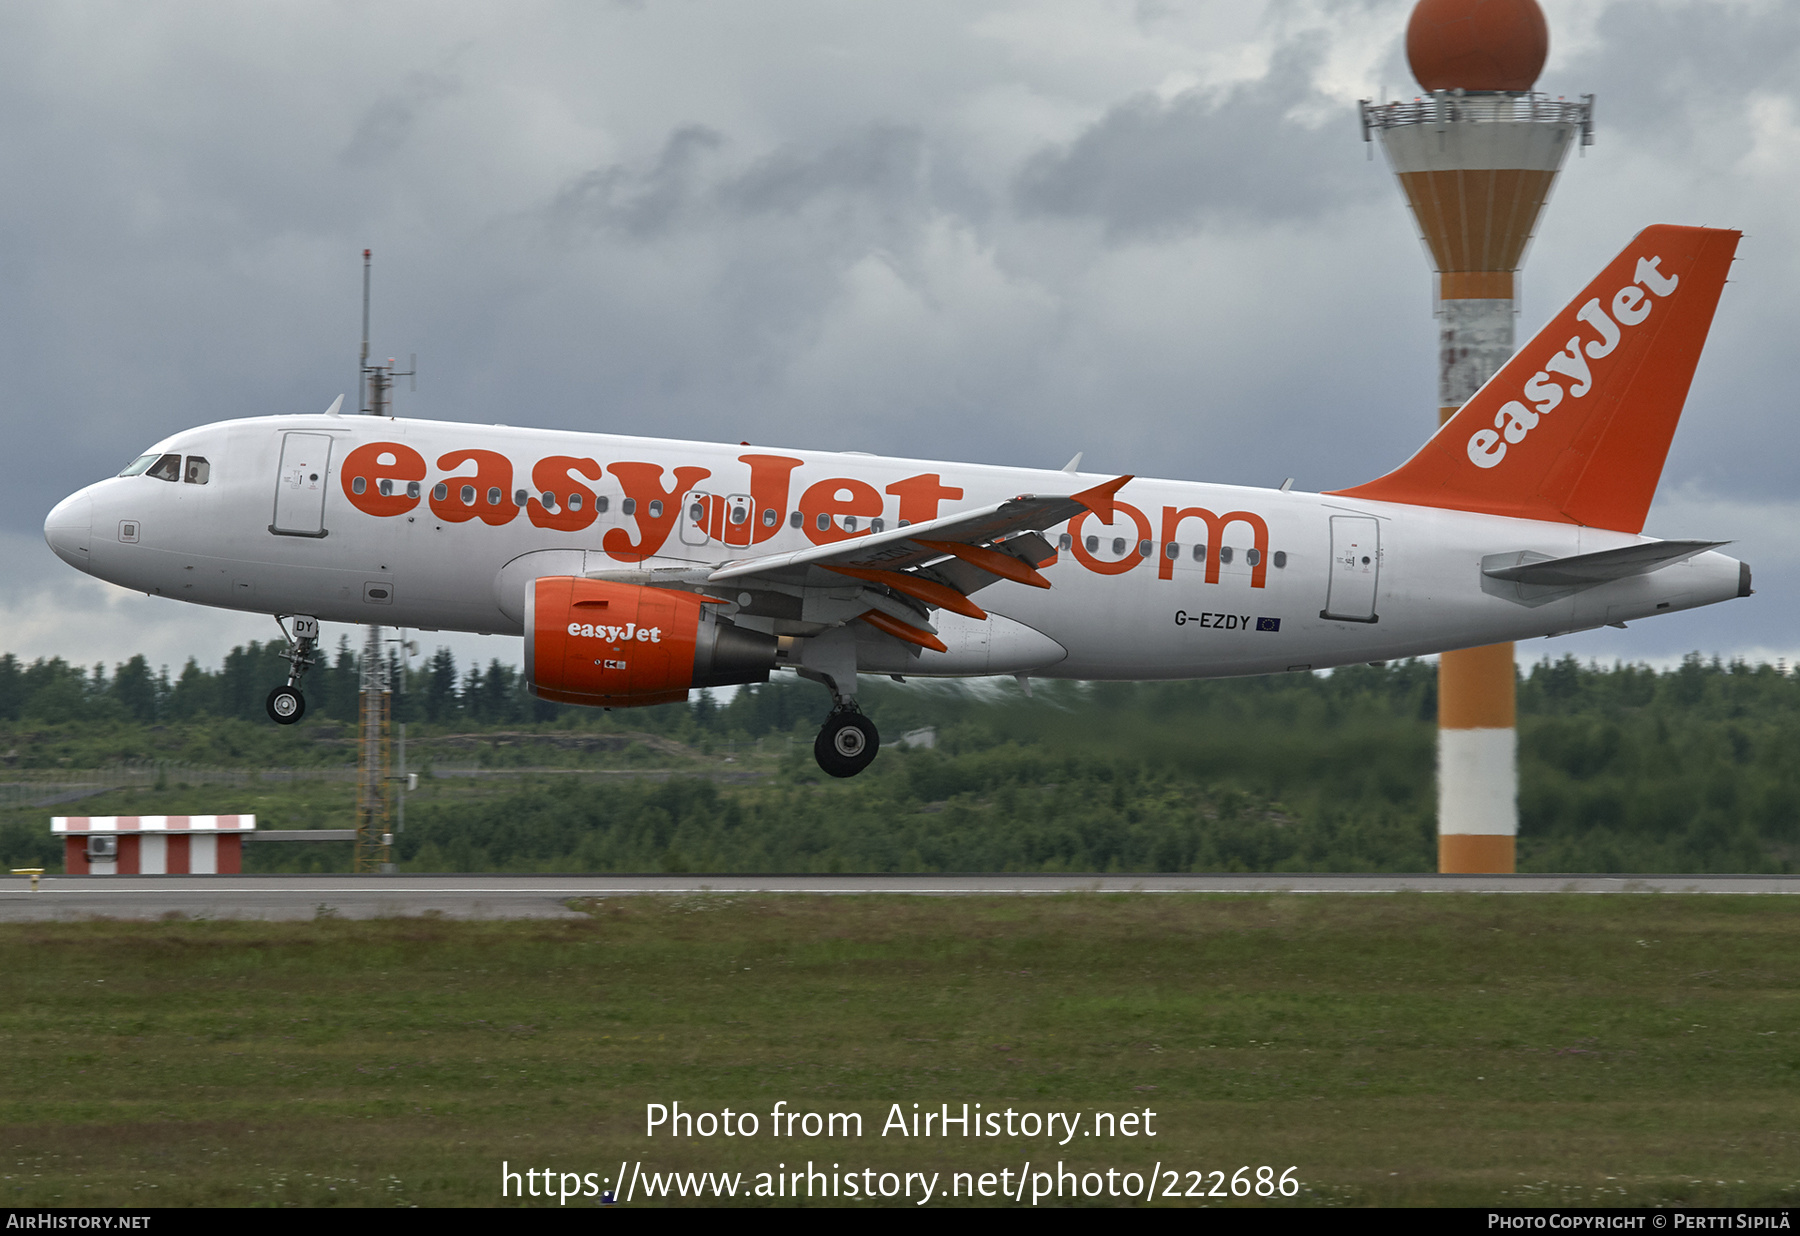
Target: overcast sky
{"points": [[990, 231]]}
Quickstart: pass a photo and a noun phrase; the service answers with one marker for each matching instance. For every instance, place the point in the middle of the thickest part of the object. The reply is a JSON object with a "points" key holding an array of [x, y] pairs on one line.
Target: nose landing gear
{"points": [[285, 704], [847, 742]]}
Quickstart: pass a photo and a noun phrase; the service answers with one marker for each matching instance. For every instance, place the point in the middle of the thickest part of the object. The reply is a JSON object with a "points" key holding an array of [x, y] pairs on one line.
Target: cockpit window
{"points": [[168, 468], [197, 470], [139, 464]]}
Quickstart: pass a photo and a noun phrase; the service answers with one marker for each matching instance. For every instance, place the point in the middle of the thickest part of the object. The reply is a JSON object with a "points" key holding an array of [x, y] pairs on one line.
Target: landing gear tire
{"points": [[285, 705], [847, 744]]}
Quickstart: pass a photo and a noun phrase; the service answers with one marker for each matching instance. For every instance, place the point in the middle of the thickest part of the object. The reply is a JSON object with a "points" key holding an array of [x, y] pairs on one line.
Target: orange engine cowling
{"points": [[591, 641]]}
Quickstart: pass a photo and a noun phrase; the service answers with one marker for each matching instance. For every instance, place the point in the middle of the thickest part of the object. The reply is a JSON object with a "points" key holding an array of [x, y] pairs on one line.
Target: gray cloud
{"points": [[641, 203], [1676, 76], [390, 120], [1151, 168], [868, 187]]}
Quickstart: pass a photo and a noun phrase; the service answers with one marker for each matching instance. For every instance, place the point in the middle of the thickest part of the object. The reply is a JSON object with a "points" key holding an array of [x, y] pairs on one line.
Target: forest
{"points": [[1622, 769]]}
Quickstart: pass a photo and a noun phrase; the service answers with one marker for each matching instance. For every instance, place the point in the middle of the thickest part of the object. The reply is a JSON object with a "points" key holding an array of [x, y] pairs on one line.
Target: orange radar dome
{"points": [[1477, 44]]}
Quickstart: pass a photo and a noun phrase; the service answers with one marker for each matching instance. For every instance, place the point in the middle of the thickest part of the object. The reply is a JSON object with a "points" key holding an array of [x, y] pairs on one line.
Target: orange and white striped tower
{"points": [[1476, 159]]}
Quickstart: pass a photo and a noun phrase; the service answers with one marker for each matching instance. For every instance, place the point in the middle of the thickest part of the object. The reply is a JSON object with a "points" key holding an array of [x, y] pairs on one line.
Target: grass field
{"points": [[1411, 1049]]}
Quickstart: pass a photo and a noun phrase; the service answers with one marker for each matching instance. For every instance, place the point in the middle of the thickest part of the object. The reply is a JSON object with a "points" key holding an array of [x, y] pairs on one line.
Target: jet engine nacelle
{"points": [[592, 641]]}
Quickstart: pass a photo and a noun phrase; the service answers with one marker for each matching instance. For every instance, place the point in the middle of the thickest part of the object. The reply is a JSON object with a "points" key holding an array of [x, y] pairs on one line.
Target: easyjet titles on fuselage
{"points": [[388, 479]]}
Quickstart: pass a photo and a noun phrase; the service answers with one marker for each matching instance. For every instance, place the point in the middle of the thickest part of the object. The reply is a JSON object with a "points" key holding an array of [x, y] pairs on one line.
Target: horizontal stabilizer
{"points": [[1597, 568]]}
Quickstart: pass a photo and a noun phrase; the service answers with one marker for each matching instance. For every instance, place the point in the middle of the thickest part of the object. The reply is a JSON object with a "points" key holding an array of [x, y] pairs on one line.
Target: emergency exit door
{"points": [[696, 513], [300, 485], [1355, 569]]}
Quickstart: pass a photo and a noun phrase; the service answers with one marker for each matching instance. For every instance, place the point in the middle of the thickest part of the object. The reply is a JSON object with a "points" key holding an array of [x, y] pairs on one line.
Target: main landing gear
{"points": [[285, 703], [847, 742]]}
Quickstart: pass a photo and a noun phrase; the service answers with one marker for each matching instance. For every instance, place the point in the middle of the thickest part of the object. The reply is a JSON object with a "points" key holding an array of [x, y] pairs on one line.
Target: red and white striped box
{"points": [[155, 844]]}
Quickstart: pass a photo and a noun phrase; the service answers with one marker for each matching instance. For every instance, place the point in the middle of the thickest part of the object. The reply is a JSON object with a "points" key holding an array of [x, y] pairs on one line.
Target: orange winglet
{"points": [[992, 561], [901, 630], [1099, 499], [940, 595]]}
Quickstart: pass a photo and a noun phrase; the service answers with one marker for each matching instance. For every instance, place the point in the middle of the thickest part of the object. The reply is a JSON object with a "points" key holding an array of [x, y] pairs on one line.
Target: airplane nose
{"points": [[69, 527]]}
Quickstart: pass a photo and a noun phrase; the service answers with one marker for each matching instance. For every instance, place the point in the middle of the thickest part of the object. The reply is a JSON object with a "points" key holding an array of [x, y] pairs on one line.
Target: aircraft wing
{"points": [[914, 546], [905, 572]]}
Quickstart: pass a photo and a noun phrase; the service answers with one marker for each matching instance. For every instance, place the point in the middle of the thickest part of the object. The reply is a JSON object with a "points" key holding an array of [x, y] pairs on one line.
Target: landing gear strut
{"points": [[285, 703], [847, 742]]}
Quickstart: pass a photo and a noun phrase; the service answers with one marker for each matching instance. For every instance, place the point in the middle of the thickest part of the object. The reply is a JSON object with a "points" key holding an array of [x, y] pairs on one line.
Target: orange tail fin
{"points": [[1576, 426]]}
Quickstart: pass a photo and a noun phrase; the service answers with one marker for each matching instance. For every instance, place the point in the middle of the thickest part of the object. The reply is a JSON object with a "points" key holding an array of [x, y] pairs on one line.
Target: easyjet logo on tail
{"points": [[1631, 306]]}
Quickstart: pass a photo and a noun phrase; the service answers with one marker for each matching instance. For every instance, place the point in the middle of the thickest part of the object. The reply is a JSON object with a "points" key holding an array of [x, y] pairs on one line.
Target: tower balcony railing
{"points": [[1445, 107]]}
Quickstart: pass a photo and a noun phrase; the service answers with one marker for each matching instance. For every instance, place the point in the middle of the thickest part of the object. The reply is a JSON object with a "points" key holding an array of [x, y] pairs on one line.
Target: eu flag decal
{"points": [[1268, 624]]}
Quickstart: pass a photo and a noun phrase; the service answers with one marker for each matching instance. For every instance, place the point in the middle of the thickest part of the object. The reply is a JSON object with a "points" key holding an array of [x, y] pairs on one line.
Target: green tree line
{"points": [[1622, 768]]}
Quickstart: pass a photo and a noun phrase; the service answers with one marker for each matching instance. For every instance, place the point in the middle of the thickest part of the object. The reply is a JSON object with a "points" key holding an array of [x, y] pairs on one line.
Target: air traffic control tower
{"points": [[1476, 157]]}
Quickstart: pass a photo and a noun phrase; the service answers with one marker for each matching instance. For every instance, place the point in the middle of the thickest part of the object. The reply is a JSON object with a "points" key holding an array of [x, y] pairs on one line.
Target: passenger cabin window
{"points": [[771, 518], [795, 518], [139, 465], [168, 468], [1063, 542], [1224, 553], [1252, 556], [655, 509], [1199, 553], [1279, 558], [1093, 544], [877, 524], [628, 507], [600, 504], [197, 470]]}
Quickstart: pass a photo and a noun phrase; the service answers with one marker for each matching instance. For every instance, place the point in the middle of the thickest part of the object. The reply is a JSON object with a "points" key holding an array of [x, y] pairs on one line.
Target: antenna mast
{"points": [[378, 380], [377, 786], [363, 359]]}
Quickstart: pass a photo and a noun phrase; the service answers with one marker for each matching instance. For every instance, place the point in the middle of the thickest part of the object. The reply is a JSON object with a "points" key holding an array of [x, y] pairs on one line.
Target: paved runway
{"points": [[515, 896]]}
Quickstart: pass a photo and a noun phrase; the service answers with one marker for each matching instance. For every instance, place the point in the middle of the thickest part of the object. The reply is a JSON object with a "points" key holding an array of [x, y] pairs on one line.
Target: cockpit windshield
{"points": [[168, 468]]}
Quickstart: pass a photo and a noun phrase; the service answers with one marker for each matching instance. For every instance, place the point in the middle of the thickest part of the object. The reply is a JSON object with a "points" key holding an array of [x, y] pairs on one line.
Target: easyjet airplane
{"points": [[638, 569]]}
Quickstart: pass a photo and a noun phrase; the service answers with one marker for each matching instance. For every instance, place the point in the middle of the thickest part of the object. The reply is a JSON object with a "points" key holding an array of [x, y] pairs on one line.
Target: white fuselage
{"points": [[275, 529]]}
